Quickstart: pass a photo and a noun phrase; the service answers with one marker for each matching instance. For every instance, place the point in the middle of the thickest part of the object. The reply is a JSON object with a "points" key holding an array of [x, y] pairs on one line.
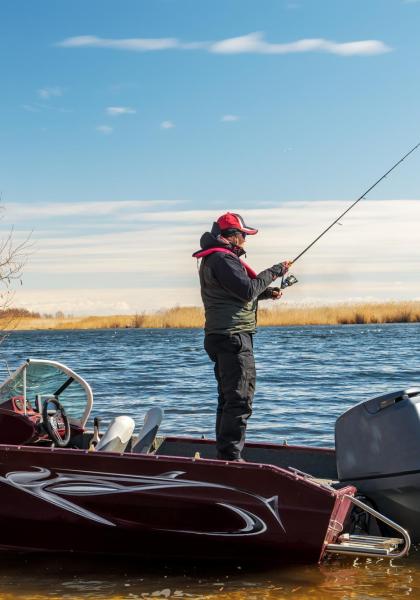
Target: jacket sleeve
{"points": [[232, 276]]}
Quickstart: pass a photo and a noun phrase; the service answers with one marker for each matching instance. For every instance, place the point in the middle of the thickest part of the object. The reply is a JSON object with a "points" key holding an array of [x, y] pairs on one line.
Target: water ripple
{"points": [[307, 376]]}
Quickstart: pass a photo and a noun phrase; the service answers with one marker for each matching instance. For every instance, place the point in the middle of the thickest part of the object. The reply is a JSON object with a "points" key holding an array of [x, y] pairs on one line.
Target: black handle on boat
{"points": [[95, 437], [355, 202]]}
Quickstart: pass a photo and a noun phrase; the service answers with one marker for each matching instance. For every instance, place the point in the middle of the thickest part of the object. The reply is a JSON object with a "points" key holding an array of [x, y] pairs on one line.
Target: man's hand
{"points": [[281, 269], [286, 264], [276, 293]]}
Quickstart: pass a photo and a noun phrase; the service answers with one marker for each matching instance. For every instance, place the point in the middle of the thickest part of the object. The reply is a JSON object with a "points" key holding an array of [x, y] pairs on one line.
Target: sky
{"points": [[128, 127]]}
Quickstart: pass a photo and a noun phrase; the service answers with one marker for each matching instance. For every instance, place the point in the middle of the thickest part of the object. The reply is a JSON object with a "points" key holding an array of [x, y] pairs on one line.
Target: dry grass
{"points": [[282, 315], [342, 314]]}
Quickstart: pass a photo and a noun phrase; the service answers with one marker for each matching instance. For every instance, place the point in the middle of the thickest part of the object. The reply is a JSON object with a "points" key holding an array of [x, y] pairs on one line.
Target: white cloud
{"points": [[229, 118], [123, 255], [252, 42], [105, 129], [116, 111], [39, 107], [30, 108], [167, 125], [137, 44], [105, 301], [249, 43], [49, 92], [367, 47], [17, 212], [255, 43]]}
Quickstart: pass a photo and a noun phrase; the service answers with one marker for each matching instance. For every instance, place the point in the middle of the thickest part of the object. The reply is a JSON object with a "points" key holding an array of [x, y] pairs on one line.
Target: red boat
{"points": [[66, 489]]}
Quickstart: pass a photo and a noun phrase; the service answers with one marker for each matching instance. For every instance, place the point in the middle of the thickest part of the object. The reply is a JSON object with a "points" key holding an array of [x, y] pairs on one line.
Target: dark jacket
{"points": [[230, 296]]}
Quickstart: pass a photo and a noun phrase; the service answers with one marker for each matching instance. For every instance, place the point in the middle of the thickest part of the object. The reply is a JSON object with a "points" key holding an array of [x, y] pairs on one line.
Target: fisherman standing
{"points": [[230, 290]]}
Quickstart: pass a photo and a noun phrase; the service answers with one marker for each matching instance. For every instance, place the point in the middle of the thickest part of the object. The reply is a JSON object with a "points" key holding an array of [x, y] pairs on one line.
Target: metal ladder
{"points": [[369, 545]]}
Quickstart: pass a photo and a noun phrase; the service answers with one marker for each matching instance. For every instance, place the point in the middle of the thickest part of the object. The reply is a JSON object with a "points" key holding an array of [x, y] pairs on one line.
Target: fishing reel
{"points": [[288, 281]]}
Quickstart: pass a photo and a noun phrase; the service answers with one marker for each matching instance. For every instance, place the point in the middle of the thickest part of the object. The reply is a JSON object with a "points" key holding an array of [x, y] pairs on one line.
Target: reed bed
{"points": [[185, 317], [342, 314]]}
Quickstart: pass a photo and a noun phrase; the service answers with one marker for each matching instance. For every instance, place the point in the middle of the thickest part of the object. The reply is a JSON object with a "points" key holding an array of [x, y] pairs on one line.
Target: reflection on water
{"points": [[307, 376], [344, 579]]}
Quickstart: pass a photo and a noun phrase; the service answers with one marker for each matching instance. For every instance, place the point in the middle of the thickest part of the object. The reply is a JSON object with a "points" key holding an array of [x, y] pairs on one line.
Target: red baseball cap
{"points": [[235, 221]]}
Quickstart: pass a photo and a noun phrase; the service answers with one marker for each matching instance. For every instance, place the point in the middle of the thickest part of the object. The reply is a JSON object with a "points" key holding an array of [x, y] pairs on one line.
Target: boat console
{"points": [[44, 403], [31, 411]]}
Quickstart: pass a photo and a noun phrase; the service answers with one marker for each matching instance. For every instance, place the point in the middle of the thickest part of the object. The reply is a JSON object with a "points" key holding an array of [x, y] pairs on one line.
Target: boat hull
{"points": [[59, 500]]}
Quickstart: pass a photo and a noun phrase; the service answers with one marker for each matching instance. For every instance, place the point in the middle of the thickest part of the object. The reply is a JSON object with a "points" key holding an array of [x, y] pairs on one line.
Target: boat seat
{"points": [[117, 436], [147, 435]]}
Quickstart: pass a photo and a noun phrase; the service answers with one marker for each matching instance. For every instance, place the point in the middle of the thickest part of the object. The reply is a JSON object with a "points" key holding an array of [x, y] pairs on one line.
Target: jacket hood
{"points": [[208, 240]]}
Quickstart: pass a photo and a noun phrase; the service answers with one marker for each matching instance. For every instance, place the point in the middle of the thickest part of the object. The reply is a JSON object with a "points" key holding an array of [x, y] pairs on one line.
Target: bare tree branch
{"points": [[13, 257]]}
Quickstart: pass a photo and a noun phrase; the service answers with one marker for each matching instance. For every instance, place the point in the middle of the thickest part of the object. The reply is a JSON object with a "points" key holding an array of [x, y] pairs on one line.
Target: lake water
{"points": [[307, 376]]}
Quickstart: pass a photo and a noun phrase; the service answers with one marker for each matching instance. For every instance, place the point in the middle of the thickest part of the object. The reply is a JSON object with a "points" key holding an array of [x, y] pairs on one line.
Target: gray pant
{"points": [[234, 369]]}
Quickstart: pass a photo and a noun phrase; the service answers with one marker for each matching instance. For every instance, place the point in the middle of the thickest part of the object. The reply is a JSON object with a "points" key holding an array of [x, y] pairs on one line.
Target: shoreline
{"points": [[193, 317]]}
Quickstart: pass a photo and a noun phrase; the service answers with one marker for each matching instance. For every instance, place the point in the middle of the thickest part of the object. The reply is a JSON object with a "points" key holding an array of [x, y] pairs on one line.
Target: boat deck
{"points": [[317, 462]]}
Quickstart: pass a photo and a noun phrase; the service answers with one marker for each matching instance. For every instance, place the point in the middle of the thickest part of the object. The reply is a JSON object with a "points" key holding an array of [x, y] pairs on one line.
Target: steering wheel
{"points": [[57, 422]]}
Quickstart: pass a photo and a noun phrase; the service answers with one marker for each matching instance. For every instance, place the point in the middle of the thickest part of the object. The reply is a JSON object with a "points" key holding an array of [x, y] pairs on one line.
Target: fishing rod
{"points": [[354, 204]]}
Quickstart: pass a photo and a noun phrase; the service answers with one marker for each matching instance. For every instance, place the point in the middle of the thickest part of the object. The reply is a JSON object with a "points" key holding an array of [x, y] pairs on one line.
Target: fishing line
{"points": [[355, 202]]}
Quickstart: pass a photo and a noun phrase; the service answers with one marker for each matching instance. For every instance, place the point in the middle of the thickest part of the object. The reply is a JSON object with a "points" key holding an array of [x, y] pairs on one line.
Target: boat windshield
{"points": [[37, 380]]}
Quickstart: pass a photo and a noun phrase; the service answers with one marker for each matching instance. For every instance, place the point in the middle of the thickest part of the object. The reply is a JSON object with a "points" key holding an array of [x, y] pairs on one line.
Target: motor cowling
{"points": [[379, 437]]}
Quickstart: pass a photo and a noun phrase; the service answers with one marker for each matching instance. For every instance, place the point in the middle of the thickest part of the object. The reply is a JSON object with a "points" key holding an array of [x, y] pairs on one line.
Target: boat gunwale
{"points": [[303, 478]]}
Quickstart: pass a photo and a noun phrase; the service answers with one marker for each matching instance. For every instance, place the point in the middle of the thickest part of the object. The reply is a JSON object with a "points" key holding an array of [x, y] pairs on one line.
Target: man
{"points": [[230, 290]]}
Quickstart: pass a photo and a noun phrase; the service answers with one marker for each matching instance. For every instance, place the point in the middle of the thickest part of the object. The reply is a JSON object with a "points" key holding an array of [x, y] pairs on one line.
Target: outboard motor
{"points": [[378, 451]]}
